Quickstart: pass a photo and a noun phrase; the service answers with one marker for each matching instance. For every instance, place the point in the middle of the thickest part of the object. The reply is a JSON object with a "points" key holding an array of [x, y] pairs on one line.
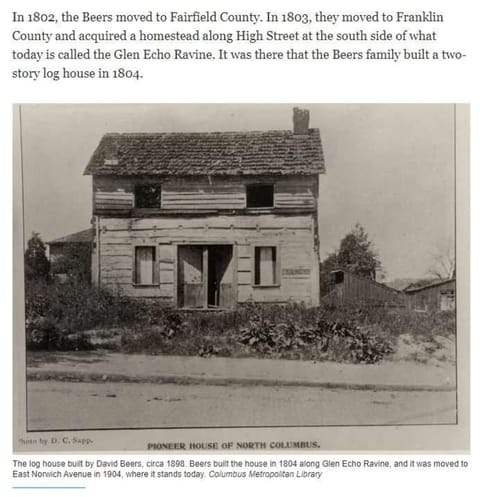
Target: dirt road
{"points": [[54, 405]]}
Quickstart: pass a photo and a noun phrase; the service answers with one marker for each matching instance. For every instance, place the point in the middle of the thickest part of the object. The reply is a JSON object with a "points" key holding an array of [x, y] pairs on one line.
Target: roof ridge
{"points": [[68, 238], [428, 285], [159, 133]]}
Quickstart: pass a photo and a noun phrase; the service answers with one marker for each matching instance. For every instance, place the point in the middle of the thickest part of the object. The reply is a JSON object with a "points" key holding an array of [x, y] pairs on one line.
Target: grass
{"points": [[75, 316]]}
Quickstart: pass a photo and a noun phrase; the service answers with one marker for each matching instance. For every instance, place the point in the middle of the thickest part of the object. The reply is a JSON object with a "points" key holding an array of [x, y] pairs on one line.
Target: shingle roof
{"points": [[85, 236], [219, 153], [422, 286]]}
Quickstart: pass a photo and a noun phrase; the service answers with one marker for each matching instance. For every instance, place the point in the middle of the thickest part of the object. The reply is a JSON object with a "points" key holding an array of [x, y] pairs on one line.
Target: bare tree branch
{"points": [[443, 262]]}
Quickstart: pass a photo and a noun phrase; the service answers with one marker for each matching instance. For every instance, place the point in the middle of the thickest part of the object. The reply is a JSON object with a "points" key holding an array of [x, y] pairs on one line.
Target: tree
{"points": [[74, 261], [356, 254], [326, 267], [443, 262], [37, 266]]}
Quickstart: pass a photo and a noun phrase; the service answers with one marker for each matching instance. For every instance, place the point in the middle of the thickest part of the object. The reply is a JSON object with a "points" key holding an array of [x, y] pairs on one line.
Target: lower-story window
{"points": [[144, 265], [266, 266]]}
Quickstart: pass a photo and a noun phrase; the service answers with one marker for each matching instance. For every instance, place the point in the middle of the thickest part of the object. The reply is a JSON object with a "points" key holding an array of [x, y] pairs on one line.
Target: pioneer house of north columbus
{"points": [[209, 220]]}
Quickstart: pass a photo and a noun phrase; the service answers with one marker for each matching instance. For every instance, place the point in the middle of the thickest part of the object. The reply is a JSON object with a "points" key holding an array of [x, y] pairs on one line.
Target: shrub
{"points": [[42, 333], [56, 313], [348, 332], [327, 340]]}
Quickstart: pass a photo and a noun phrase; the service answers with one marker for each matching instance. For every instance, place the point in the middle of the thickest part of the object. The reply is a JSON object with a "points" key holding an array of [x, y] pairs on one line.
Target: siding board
{"points": [[292, 233], [111, 193]]}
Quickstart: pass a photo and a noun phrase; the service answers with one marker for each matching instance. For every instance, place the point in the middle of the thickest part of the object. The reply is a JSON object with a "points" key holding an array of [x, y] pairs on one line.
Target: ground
{"points": [[66, 405], [103, 389], [435, 352]]}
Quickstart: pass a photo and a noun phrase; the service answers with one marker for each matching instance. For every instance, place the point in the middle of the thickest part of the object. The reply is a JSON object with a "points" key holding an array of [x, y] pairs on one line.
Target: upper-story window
{"points": [[148, 196], [259, 196]]}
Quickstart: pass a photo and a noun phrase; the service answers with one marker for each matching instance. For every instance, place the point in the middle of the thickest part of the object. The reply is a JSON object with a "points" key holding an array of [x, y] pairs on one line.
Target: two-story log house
{"points": [[204, 220]]}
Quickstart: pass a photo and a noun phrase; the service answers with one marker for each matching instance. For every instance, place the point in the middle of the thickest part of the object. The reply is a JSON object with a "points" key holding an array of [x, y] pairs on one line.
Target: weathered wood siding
{"points": [[430, 298], [292, 235], [357, 288], [113, 201], [117, 194], [199, 193]]}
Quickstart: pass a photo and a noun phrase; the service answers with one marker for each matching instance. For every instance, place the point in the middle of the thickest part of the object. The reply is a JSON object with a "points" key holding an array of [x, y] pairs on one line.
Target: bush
{"points": [[57, 315], [324, 340], [293, 332], [43, 333], [348, 333]]}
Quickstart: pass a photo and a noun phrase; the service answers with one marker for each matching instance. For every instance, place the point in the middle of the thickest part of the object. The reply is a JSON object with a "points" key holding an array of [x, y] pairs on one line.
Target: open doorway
{"points": [[205, 276], [220, 285]]}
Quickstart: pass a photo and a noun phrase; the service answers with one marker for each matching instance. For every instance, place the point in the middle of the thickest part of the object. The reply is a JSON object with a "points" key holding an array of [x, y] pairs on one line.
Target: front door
{"points": [[205, 276]]}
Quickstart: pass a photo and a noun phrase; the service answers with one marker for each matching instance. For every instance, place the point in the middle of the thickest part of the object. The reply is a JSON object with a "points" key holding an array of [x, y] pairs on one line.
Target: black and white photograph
{"points": [[238, 266]]}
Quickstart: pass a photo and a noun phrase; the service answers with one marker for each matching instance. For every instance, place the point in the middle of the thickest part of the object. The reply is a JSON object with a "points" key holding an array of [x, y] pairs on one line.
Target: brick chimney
{"points": [[301, 118], [110, 144]]}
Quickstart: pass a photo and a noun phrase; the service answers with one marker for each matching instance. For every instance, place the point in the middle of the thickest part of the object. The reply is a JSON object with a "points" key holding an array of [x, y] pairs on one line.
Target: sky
{"points": [[389, 167]]}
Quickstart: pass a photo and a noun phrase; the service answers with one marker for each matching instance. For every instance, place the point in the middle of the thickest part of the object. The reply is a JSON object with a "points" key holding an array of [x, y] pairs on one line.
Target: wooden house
{"points": [[205, 220], [437, 295]]}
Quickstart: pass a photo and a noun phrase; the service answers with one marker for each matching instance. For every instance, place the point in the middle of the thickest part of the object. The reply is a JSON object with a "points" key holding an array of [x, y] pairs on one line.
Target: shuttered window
{"points": [[145, 265], [266, 266]]}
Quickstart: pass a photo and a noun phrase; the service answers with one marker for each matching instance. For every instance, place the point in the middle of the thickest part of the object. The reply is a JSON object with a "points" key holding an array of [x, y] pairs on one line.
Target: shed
{"points": [[350, 287], [71, 255], [438, 295]]}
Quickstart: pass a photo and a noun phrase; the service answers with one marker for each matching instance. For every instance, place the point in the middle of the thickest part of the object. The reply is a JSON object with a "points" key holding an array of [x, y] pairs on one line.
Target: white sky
{"points": [[389, 167]]}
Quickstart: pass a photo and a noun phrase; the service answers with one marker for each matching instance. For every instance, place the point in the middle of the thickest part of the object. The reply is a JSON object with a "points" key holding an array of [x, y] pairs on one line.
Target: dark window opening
{"points": [[338, 277], [259, 195], [148, 196], [266, 266]]}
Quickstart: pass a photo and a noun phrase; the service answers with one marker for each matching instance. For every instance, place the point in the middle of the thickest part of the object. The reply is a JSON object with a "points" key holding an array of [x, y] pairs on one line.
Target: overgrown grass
{"points": [[56, 314], [59, 315]]}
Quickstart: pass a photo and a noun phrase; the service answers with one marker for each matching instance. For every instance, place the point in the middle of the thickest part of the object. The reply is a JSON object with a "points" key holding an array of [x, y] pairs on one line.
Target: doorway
{"points": [[205, 276]]}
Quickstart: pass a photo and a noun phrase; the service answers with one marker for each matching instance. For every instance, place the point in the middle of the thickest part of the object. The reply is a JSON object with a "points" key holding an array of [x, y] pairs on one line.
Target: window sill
{"points": [[275, 285], [145, 210], [265, 208], [145, 285]]}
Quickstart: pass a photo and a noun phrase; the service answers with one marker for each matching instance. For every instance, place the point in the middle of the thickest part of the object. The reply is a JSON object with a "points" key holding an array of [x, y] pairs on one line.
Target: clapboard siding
{"points": [[293, 233], [274, 295], [117, 194], [201, 193], [113, 200], [262, 222], [293, 200], [295, 244], [117, 234]]}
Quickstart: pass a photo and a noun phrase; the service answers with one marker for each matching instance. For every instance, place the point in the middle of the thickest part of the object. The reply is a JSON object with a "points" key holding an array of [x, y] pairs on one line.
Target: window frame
{"points": [[156, 271], [420, 303], [253, 185], [278, 273], [447, 297], [147, 184]]}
